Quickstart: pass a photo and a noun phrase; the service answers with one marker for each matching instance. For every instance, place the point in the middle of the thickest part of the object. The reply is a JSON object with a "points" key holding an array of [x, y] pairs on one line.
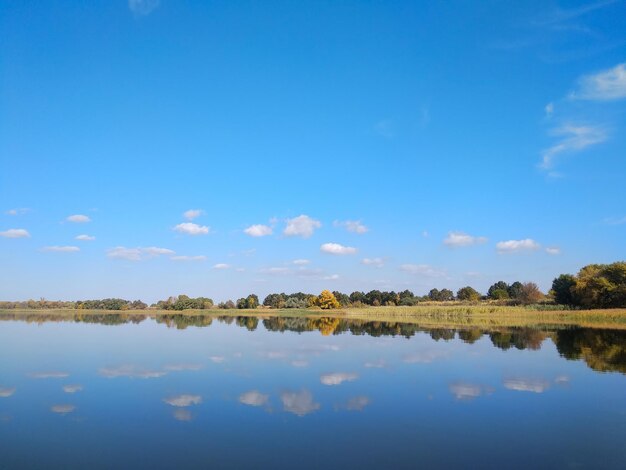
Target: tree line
{"points": [[594, 286]]}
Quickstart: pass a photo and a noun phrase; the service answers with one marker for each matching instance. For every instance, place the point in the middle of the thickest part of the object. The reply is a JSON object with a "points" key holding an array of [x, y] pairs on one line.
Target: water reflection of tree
{"points": [[520, 338], [602, 350], [182, 321]]}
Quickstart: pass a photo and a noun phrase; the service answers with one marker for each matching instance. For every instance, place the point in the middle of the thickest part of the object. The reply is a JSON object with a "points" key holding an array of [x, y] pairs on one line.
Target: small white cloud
{"points": [[354, 226], [72, 388], [606, 85], [514, 246], [85, 238], [425, 234], [142, 7], [221, 266], [337, 249], [6, 392], [130, 371], [63, 409], [276, 271], [182, 401], [78, 219], [188, 258], [573, 139], [192, 214], [253, 398], [182, 367], [301, 262], [338, 378], [376, 262], [549, 110], [553, 250], [299, 403], [137, 254], [527, 385], [301, 226], [377, 364], [18, 211], [422, 270], [424, 357], [259, 230], [61, 249], [458, 239], [217, 359], [468, 391], [357, 403], [48, 375], [15, 233], [189, 228], [182, 414]]}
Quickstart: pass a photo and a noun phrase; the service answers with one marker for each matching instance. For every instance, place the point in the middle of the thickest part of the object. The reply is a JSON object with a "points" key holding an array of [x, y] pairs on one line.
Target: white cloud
{"points": [[337, 249], [527, 385], [357, 403], [276, 271], [18, 211], [183, 400], [72, 388], [142, 7], [15, 233], [49, 375], [354, 226], [299, 403], [259, 230], [424, 357], [192, 213], [377, 364], [182, 367], [553, 250], [467, 391], [549, 110], [217, 359], [338, 378], [131, 372], [513, 246], [85, 238], [606, 85], [63, 409], [573, 139], [457, 239], [189, 228], [422, 270], [61, 249], [188, 258], [78, 219], [301, 262], [221, 266], [6, 392], [301, 226], [182, 414], [376, 262], [253, 398], [137, 254]]}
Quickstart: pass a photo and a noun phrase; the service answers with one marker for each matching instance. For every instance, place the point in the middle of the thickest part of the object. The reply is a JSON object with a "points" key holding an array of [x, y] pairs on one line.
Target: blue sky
{"points": [[342, 145]]}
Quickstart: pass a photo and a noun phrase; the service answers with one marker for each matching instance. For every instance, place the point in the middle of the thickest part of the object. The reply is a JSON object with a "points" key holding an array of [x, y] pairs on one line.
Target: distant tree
{"points": [[498, 291], [343, 299], [562, 289], [530, 293], [327, 300], [515, 290], [252, 301], [357, 297], [274, 300], [468, 294], [440, 295], [293, 302], [433, 294], [241, 303], [601, 286], [374, 297]]}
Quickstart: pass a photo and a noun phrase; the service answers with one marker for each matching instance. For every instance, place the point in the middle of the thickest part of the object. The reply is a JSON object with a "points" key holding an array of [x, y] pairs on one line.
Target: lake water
{"points": [[308, 393]]}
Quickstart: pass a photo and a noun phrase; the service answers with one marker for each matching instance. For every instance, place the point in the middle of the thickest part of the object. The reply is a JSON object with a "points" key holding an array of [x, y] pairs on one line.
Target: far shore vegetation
{"points": [[594, 288]]}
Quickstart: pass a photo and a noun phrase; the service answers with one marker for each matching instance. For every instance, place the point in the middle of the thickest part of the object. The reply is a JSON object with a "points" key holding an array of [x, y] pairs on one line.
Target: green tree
{"points": [[468, 294], [562, 289], [498, 291]]}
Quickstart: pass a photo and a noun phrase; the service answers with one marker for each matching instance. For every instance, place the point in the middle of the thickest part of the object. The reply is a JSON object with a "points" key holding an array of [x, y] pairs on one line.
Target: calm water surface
{"points": [[301, 393]]}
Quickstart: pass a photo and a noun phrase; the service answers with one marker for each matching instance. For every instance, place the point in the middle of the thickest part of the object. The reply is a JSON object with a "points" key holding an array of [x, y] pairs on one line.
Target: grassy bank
{"points": [[454, 316]]}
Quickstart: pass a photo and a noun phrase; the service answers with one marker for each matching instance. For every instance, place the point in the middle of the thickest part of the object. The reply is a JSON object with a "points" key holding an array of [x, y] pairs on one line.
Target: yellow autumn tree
{"points": [[327, 300]]}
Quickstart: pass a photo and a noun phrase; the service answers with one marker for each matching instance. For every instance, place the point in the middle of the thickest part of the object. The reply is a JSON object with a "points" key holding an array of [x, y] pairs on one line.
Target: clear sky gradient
{"points": [[350, 145]]}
